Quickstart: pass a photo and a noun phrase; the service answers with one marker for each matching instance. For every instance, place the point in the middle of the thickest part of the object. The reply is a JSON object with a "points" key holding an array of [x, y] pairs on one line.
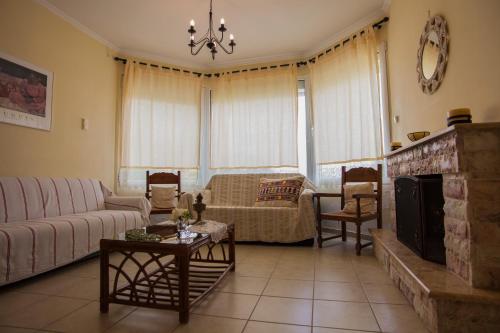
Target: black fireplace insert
{"points": [[420, 215]]}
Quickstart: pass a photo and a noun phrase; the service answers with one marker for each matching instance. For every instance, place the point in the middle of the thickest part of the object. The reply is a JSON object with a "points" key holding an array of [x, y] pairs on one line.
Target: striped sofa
{"points": [[49, 222], [233, 200]]}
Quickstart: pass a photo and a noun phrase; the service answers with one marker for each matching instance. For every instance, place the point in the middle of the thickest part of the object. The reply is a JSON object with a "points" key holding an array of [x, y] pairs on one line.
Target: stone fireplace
{"points": [[464, 295], [468, 157]]}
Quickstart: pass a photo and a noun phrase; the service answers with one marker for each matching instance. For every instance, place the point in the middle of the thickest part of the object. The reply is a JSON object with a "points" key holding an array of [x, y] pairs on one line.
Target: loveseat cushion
{"points": [[266, 224], [35, 246]]}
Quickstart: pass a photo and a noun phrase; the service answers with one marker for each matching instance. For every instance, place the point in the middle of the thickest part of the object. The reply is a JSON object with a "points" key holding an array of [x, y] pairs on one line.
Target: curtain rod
{"points": [[376, 25]]}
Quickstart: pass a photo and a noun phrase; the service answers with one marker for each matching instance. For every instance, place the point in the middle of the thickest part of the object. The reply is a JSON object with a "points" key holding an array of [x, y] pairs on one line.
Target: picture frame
{"points": [[25, 93]]}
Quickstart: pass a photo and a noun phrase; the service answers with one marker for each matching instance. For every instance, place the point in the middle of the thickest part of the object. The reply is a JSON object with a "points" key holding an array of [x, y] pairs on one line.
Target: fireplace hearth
{"points": [[420, 215], [464, 295]]}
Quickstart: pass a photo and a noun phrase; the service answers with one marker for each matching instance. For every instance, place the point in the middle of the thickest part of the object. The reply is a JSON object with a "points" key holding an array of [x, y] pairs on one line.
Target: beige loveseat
{"points": [[49, 222], [232, 199]]}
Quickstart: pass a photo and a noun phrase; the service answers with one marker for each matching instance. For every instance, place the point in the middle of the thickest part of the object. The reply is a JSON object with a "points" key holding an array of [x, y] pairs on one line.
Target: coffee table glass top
{"points": [[162, 235]]}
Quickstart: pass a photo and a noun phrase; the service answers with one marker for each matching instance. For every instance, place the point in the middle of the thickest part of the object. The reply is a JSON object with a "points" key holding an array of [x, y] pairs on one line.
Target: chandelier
{"points": [[210, 39]]}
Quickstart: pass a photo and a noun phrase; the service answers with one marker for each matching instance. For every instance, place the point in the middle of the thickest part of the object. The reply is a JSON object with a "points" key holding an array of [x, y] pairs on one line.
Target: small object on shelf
{"points": [[140, 235], [414, 136], [459, 116], [395, 145]]}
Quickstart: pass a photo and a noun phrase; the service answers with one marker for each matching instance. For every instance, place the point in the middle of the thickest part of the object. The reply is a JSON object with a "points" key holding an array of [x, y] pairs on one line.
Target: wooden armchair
{"points": [[355, 175], [162, 178]]}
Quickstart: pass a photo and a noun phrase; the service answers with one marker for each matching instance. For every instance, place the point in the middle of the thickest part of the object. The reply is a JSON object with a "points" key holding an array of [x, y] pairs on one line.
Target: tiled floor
{"points": [[274, 289]]}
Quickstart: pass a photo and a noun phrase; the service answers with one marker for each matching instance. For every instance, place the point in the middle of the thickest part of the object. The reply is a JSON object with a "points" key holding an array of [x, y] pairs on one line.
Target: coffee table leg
{"points": [[104, 258], [183, 289]]}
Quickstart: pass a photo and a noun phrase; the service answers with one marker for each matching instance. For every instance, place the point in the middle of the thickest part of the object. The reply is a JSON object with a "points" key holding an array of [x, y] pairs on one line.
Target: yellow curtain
{"points": [[161, 118], [254, 119], [346, 103]]}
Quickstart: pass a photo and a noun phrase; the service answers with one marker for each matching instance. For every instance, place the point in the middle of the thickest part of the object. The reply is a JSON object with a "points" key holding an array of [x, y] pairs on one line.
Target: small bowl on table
{"points": [[395, 145], [414, 136]]}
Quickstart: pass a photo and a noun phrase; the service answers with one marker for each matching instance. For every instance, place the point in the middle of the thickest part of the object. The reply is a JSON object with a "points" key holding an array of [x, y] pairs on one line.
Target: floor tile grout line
{"points": [[369, 304], [313, 299], [260, 296], [68, 314], [123, 318], [25, 328], [314, 295], [347, 329]]}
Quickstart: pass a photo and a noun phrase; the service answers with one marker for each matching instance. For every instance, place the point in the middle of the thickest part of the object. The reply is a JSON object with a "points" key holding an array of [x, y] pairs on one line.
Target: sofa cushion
{"points": [[266, 224], [25, 198], [279, 192], [35, 246]]}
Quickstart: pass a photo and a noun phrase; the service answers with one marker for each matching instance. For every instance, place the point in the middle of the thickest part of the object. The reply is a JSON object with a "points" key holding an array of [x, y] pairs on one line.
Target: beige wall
{"points": [[85, 85], [472, 77]]}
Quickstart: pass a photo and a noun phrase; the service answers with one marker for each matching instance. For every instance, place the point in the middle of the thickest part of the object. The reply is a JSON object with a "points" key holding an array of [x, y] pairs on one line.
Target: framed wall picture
{"points": [[25, 93]]}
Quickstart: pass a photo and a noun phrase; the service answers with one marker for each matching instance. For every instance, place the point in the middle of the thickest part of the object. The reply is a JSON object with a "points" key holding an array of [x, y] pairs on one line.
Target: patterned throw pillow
{"points": [[283, 192]]}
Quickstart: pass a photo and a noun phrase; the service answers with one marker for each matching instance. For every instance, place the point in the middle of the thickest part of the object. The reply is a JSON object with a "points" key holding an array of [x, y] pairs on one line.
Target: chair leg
{"points": [[358, 239], [344, 231], [319, 237]]}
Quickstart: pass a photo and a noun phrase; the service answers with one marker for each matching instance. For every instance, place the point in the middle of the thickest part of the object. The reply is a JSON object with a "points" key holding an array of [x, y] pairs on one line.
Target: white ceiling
{"points": [[264, 30]]}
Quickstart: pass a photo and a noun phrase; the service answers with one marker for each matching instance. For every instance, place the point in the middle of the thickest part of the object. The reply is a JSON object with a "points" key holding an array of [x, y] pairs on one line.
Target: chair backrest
{"points": [[163, 178], [28, 198], [363, 175]]}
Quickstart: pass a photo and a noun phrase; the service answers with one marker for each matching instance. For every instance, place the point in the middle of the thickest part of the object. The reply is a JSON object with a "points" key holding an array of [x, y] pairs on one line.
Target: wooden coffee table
{"points": [[171, 274]]}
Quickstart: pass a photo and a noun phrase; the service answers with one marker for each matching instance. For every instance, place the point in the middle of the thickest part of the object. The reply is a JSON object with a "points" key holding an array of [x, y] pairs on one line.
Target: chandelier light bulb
{"points": [[222, 21], [191, 23], [192, 37], [231, 36]]}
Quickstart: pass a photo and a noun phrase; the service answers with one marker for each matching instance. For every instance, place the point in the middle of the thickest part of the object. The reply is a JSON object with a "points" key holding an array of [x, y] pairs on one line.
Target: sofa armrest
{"points": [[137, 203], [306, 207]]}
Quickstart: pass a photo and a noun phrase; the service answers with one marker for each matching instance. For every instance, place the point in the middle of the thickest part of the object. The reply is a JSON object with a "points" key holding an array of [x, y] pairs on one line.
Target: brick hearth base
{"points": [[443, 301]]}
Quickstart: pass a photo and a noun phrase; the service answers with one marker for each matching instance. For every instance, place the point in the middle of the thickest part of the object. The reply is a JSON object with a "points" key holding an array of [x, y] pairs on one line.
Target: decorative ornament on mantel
{"points": [[210, 39]]}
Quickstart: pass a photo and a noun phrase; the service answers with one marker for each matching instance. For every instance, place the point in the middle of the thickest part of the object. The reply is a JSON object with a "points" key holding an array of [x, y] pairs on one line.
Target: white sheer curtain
{"points": [[160, 126], [346, 108], [253, 121]]}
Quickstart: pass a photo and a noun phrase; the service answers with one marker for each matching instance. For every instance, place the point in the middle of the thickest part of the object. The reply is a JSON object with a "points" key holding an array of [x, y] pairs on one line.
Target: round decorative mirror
{"points": [[432, 54]]}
